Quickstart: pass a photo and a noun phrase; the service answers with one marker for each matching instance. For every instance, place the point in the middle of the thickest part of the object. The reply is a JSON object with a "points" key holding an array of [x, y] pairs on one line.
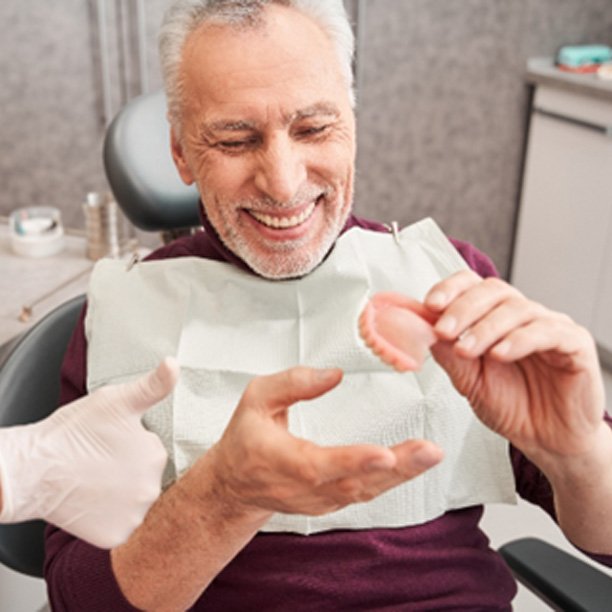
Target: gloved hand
{"points": [[90, 468]]}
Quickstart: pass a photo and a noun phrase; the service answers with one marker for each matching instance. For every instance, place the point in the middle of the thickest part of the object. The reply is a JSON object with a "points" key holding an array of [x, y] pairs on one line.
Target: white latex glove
{"points": [[90, 468]]}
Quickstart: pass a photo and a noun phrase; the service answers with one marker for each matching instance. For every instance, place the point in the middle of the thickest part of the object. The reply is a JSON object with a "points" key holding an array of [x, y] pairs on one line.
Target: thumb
{"points": [[462, 371], [276, 392], [140, 394]]}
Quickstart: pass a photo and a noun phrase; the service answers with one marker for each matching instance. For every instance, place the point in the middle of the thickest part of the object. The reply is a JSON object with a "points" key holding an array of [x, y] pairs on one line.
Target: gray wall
{"points": [[442, 104], [51, 102]]}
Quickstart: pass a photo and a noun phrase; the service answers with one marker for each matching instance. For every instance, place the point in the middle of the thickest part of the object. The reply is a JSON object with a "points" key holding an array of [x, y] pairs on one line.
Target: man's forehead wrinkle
{"points": [[224, 80]]}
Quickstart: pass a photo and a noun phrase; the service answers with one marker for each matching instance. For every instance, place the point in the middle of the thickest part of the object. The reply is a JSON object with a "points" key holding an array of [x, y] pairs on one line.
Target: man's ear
{"points": [[180, 162]]}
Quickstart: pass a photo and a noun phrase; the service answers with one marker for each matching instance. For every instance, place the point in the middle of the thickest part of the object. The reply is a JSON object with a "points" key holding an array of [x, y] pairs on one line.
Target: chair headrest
{"points": [[140, 169]]}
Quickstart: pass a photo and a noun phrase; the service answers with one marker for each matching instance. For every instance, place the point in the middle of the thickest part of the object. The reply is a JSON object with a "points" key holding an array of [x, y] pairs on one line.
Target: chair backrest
{"points": [[140, 169], [29, 391]]}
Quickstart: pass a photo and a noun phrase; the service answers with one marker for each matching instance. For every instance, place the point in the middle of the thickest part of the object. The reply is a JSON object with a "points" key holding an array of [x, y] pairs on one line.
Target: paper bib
{"points": [[226, 326]]}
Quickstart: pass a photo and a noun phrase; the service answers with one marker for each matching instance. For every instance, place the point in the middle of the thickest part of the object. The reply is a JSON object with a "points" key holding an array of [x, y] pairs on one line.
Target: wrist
{"points": [[205, 485], [18, 475], [194, 523], [579, 470]]}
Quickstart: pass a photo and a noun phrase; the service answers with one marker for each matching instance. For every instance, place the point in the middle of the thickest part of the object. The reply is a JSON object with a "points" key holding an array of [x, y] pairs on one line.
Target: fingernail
{"points": [[446, 325], [327, 375], [436, 300], [503, 348], [467, 342], [425, 458]]}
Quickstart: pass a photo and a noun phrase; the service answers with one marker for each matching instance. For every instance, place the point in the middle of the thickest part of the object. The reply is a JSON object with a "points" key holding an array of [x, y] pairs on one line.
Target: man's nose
{"points": [[281, 169]]}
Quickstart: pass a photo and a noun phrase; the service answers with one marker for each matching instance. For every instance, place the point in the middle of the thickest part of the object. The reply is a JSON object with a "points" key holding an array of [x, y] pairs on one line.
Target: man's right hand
{"points": [[256, 469], [259, 466]]}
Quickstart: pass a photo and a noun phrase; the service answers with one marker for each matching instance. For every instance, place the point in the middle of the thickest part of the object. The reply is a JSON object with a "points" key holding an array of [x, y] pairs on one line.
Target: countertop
{"points": [[42, 283], [25, 280], [542, 71]]}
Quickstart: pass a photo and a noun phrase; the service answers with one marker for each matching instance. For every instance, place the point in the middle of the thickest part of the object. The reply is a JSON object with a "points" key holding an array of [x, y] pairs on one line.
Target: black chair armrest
{"points": [[562, 580]]}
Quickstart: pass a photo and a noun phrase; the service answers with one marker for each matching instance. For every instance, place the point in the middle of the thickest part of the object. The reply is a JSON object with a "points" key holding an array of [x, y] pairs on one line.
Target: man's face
{"points": [[268, 135]]}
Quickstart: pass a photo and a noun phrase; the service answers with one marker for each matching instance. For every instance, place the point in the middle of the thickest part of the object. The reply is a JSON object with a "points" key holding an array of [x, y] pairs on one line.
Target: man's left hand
{"points": [[530, 374]]}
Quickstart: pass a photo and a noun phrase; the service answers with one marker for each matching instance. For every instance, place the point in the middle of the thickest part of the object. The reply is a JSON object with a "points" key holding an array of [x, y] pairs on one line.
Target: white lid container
{"points": [[36, 231]]}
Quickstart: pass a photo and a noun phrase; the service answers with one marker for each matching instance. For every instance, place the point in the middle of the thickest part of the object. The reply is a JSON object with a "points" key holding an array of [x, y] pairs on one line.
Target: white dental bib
{"points": [[226, 326]]}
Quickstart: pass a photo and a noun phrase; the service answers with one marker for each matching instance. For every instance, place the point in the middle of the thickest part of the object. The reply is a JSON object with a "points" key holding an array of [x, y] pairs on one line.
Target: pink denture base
{"points": [[398, 329]]}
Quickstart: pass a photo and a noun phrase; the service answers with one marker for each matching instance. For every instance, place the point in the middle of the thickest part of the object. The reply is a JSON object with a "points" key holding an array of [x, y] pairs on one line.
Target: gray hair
{"points": [[184, 16]]}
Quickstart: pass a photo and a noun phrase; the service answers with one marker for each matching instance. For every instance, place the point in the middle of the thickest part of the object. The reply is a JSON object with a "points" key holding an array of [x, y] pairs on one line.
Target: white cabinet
{"points": [[602, 317], [563, 250]]}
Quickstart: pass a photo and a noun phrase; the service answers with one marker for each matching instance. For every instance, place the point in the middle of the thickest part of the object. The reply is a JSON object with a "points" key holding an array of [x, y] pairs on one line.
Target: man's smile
{"points": [[286, 221]]}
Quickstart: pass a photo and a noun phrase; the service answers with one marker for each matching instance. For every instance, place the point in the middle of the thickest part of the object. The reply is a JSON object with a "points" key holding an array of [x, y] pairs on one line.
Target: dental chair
{"points": [[145, 184], [140, 170], [29, 391], [563, 581], [147, 187]]}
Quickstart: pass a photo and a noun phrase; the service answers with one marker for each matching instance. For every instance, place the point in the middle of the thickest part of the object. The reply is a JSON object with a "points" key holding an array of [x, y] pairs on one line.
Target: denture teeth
{"points": [[283, 222]]}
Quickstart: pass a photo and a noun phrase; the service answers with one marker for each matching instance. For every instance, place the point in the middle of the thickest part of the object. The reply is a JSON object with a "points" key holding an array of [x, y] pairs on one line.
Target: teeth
{"points": [[283, 222]]}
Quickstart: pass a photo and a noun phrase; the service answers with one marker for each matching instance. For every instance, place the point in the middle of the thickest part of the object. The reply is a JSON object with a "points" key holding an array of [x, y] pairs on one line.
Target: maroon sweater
{"points": [[443, 564]]}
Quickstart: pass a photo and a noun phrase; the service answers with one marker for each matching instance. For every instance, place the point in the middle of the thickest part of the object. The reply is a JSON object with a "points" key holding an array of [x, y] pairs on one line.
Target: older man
{"points": [[260, 106]]}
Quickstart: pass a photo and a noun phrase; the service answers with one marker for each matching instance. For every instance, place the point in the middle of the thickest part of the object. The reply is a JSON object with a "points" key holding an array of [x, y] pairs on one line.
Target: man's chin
{"points": [[283, 270], [290, 259]]}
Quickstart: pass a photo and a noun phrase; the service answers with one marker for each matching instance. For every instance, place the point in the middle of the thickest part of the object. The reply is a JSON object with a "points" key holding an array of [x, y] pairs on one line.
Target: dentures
{"points": [[398, 330]]}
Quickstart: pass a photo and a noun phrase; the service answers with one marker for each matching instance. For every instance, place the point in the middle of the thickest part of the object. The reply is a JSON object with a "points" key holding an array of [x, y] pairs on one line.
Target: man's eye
{"points": [[315, 130], [237, 145], [234, 144]]}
